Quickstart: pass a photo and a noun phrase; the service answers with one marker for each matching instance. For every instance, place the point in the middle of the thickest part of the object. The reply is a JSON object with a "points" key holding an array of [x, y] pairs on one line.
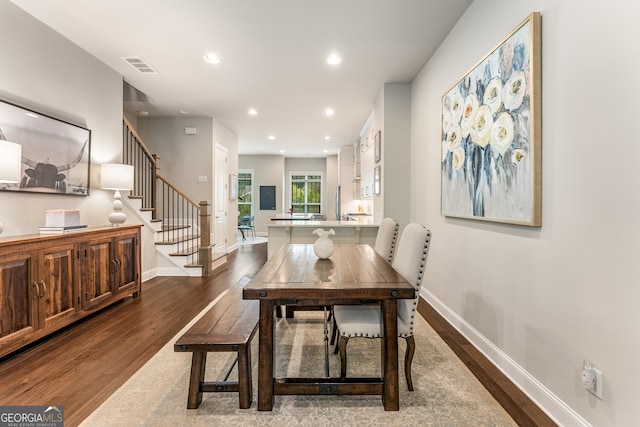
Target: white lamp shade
{"points": [[116, 176], [10, 161]]}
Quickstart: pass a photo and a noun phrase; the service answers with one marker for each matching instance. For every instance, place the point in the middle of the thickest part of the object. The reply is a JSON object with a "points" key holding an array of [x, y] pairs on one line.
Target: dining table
{"points": [[353, 274]]}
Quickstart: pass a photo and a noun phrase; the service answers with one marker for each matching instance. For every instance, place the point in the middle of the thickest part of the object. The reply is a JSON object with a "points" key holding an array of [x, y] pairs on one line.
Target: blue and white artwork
{"points": [[490, 134]]}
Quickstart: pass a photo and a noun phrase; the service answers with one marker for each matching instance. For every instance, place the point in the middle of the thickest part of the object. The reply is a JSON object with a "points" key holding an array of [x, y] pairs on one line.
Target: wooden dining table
{"points": [[354, 274]]}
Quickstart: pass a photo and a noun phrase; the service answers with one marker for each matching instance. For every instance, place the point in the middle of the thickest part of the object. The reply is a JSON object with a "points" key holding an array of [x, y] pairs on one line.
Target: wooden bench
{"points": [[228, 326]]}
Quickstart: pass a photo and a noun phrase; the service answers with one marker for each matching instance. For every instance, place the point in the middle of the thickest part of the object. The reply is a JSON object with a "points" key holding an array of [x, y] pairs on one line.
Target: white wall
{"points": [[267, 170], [34, 76], [332, 175], [229, 140], [393, 118], [43, 71], [540, 300], [182, 157]]}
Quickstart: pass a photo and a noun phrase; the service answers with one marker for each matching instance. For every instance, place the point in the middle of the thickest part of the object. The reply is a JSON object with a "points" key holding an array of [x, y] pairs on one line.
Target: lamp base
{"points": [[117, 217]]}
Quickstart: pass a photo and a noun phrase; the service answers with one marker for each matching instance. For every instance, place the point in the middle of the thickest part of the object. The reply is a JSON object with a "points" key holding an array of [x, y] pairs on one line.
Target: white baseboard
{"points": [[548, 402]]}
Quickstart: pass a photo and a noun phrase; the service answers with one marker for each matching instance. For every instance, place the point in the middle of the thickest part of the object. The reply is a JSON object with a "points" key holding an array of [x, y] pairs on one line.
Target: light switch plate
{"points": [[202, 178]]}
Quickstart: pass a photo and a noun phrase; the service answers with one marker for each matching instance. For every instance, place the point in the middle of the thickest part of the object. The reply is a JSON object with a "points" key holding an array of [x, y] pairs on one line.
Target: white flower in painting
{"points": [[502, 132], [514, 89], [445, 149], [456, 107], [454, 137], [517, 155], [446, 103], [469, 110], [458, 158], [446, 121], [481, 131], [493, 95]]}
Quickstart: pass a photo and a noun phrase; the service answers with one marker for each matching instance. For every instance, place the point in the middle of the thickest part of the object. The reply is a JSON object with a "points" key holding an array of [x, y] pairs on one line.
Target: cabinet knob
{"points": [[44, 289], [35, 297]]}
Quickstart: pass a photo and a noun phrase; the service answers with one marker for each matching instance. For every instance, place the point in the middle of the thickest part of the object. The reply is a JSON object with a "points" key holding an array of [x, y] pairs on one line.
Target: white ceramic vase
{"points": [[323, 247]]}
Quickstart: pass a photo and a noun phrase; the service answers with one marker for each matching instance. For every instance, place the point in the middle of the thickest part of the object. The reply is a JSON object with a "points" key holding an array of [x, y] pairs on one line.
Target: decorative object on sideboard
{"points": [[62, 221], [9, 164], [117, 177], [323, 247]]}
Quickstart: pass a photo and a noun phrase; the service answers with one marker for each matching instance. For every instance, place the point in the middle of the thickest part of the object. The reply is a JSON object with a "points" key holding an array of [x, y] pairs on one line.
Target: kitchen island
{"points": [[363, 230]]}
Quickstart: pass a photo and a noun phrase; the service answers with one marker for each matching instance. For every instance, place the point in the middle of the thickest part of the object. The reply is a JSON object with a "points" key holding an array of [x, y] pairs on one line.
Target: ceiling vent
{"points": [[140, 65]]}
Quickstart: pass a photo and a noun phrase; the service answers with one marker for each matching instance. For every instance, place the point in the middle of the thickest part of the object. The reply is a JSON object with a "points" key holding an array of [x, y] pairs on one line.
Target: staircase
{"points": [[182, 227]]}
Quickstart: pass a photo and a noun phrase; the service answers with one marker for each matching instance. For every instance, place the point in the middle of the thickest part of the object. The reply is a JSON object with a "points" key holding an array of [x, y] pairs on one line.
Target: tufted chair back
{"points": [[410, 260], [386, 239], [364, 320]]}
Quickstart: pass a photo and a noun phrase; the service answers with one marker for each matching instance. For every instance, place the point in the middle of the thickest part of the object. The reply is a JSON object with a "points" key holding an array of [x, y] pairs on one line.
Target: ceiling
{"points": [[273, 58]]}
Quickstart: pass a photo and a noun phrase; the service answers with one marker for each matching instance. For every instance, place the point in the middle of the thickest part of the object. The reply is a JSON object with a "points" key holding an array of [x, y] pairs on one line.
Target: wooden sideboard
{"points": [[48, 282]]}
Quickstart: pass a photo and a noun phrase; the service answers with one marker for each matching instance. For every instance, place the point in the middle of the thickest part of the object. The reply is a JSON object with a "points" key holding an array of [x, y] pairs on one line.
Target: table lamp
{"points": [[10, 164], [116, 176]]}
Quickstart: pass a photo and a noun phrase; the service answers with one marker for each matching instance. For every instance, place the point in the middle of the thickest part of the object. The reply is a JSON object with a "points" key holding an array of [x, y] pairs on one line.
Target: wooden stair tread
{"points": [[167, 228], [177, 239], [186, 251]]}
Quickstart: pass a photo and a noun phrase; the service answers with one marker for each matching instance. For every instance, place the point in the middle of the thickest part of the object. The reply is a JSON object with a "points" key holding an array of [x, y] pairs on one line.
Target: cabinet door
{"points": [[97, 288], [18, 294], [126, 262], [57, 290]]}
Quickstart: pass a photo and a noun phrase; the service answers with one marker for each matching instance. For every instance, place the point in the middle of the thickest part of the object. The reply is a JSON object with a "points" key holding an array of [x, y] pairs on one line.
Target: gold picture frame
{"points": [[491, 162]]}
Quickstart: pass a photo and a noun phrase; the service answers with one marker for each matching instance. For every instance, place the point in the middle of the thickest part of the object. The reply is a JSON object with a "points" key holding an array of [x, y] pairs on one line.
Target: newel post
{"points": [[204, 252]]}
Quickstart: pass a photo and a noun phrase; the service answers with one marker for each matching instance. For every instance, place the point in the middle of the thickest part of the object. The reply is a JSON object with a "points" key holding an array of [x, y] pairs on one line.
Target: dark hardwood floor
{"points": [[82, 365]]}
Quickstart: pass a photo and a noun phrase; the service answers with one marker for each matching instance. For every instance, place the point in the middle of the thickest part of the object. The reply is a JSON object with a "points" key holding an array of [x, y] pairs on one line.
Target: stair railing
{"points": [[185, 223]]}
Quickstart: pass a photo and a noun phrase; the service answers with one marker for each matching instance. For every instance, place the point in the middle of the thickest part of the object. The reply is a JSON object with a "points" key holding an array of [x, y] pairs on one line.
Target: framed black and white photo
{"points": [[377, 146], [55, 154]]}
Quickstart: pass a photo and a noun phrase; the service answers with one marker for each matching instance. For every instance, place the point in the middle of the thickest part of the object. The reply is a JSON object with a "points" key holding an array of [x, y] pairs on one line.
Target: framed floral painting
{"points": [[491, 134]]}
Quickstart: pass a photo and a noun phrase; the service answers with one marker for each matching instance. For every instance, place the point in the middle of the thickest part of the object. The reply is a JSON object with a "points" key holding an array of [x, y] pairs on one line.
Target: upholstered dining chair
{"points": [[365, 320], [386, 238], [385, 246]]}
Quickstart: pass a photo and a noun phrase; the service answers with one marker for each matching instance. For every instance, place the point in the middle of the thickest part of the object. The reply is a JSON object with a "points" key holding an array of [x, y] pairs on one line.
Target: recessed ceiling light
{"points": [[212, 58], [271, 137], [35, 116], [143, 113], [329, 112], [325, 151], [252, 111], [282, 151], [327, 137], [184, 112], [334, 59]]}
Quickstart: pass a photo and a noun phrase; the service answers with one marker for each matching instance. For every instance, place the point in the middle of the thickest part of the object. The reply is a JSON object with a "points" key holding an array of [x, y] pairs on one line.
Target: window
{"points": [[245, 193], [306, 192]]}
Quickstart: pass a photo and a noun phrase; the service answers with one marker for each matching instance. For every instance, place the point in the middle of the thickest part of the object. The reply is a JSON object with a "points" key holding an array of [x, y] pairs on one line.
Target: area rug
{"points": [[446, 392]]}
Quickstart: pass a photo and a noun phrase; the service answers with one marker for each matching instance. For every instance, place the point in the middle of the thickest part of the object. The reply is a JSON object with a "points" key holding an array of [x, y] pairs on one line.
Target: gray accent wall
{"points": [[538, 301]]}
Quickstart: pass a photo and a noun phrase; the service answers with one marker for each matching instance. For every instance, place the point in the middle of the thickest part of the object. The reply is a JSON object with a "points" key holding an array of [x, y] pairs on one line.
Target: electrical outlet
{"points": [[592, 379], [598, 390]]}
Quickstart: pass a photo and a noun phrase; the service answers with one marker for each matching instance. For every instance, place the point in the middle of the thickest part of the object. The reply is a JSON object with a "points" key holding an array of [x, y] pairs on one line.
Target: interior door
{"points": [[221, 197]]}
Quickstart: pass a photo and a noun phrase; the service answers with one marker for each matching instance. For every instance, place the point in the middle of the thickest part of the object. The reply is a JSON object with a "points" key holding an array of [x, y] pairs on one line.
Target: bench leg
{"points": [[198, 364], [245, 389]]}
